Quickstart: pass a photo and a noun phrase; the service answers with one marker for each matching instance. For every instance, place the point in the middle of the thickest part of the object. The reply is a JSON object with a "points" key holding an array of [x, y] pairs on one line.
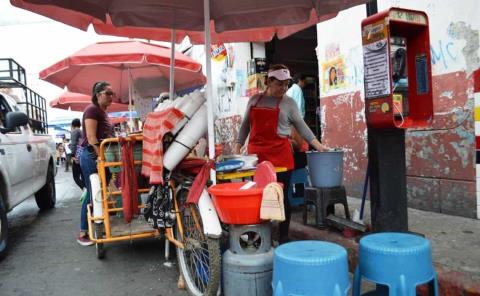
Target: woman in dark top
{"points": [[96, 127]]}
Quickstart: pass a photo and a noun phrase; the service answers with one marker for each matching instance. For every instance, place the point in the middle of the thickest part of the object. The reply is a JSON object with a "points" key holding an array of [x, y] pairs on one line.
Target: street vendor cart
{"points": [[198, 252]]}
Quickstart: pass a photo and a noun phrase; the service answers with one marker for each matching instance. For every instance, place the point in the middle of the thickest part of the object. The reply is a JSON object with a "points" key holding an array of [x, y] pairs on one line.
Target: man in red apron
{"points": [[268, 121]]}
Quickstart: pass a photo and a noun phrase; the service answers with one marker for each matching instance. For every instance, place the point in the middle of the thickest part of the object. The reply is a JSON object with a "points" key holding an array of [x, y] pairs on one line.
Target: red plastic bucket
{"points": [[236, 206]]}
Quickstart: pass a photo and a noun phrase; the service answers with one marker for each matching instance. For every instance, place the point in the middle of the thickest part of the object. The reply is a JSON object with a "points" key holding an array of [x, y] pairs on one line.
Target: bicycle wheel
{"points": [[200, 258]]}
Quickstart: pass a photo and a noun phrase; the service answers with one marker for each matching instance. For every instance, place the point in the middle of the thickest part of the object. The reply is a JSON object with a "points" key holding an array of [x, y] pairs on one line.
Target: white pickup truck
{"points": [[26, 150]]}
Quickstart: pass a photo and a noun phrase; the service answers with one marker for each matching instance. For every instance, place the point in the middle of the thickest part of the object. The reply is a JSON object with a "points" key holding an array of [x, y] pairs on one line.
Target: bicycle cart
{"points": [[187, 226]]}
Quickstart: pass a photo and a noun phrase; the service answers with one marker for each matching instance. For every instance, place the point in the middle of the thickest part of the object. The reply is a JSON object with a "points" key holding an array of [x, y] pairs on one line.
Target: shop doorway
{"points": [[298, 53]]}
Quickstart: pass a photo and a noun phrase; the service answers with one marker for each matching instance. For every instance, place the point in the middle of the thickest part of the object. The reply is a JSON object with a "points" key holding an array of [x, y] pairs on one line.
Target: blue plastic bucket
{"points": [[325, 168]]}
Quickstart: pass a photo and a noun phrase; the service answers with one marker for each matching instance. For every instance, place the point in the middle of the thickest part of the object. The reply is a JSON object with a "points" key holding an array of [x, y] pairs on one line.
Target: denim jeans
{"points": [[88, 165]]}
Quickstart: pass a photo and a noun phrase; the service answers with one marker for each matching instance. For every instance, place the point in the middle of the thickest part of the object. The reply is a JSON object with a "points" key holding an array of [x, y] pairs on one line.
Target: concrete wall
{"points": [[440, 160]]}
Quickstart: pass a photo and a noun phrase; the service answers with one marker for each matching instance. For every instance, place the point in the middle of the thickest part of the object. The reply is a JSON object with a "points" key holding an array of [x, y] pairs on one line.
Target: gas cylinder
{"points": [[248, 263]]}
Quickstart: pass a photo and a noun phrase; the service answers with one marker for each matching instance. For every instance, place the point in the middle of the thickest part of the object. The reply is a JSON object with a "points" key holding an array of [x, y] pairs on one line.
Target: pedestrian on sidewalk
{"points": [[68, 154], [296, 92], [268, 120], [96, 127], [299, 145], [75, 136]]}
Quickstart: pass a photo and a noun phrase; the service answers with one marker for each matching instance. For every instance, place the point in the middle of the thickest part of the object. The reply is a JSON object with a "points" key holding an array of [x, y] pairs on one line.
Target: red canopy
{"points": [[117, 120], [78, 102], [231, 20]]}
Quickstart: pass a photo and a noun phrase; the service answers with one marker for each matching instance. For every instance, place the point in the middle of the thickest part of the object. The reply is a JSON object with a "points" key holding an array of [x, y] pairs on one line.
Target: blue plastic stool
{"points": [[299, 176], [400, 261], [307, 268]]}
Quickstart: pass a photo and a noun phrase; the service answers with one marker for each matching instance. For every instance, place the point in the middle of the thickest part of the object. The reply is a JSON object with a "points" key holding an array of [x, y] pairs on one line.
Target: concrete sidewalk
{"points": [[455, 245]]}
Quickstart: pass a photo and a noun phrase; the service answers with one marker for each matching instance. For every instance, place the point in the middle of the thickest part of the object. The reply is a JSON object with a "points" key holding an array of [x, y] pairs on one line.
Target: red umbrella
{"points": [[124, 64], [78, 102]]}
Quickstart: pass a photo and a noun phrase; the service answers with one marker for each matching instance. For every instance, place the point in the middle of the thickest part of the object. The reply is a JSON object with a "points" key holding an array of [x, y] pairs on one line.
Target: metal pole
{"points": [[387, 168], [208, 66], [372, 7], [130, 98], [172, 65]]}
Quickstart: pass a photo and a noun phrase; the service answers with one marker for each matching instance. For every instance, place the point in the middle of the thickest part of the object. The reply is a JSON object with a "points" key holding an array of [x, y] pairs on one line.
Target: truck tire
{"points": [[46, 196], [3, 228]]}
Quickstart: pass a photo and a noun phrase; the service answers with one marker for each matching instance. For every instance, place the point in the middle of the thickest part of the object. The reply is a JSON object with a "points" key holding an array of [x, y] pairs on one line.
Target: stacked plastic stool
{"points": [[323, 200], [397, 261], [298, 184], [310, 268]]}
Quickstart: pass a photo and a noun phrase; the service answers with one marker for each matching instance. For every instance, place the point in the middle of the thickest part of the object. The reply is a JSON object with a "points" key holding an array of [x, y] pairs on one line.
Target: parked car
{"points": [[26, 150]]}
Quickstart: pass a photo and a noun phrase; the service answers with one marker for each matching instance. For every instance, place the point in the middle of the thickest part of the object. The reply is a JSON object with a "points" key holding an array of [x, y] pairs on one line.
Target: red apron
{"points": [[264, 140]]}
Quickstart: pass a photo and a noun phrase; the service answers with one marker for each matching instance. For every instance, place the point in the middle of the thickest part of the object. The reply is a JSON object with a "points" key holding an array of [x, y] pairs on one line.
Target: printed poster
{"points": [[333, 75]]}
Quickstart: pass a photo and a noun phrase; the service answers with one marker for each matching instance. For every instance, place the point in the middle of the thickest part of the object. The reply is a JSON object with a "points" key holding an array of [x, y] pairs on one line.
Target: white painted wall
{"points": [[452, 38], [229, 76]]}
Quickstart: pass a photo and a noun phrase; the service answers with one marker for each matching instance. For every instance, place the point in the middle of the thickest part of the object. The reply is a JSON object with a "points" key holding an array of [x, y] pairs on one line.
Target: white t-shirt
{"points": [[67, 150]]}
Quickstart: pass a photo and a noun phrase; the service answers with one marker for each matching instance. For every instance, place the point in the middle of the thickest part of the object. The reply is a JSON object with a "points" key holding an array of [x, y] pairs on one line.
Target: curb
{"points": [[451, 282]]}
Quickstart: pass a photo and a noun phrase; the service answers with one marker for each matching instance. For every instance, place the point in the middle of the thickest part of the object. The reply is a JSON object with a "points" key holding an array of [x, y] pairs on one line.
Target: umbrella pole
{"points": [[208, 65], [172, 65], [130, 98]]}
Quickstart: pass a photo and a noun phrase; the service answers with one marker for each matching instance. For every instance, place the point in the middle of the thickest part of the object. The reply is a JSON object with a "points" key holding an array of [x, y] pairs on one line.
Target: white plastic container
{"points": [[180, 101], [164, 105], [186, 139], [179, 126], [188, 104], [211, 223], [192, 103], [96, 196]]}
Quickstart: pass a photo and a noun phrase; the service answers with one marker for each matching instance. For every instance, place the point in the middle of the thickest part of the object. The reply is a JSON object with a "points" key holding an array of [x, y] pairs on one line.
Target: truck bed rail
{"points": [[13, 75]]}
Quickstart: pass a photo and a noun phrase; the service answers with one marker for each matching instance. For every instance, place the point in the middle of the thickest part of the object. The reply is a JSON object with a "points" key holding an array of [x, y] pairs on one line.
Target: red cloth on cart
{"points": [[128, 177], [191, 166], [157, 124], [199, 183]]}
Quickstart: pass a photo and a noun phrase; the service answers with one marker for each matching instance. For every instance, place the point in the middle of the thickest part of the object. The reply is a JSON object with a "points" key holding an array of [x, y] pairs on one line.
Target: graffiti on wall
{"points": [[443, 53]]}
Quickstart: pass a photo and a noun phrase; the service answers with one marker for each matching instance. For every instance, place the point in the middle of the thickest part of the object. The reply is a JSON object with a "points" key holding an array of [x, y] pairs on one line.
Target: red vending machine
{"points": [[396, 54]]}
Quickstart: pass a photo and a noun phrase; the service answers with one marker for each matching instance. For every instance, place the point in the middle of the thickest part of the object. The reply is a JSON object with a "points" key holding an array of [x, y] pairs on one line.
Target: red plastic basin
{"points": [[235, 206]]}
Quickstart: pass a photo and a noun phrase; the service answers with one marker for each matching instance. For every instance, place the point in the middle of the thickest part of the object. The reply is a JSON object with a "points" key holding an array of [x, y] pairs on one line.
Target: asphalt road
{"points": [[45, 259]]}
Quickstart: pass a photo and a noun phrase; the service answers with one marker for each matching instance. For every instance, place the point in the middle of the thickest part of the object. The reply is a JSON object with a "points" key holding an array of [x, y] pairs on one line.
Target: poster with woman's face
{"points": [[333, 75]]}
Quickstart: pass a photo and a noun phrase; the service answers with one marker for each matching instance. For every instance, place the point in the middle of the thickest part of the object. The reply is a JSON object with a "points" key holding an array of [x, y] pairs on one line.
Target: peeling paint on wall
{"points": [[463, 31], [344, 119], [445, 150]]}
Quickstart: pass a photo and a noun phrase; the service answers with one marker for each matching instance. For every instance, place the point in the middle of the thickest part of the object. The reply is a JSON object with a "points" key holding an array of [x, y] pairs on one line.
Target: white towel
{"points": [[272, 207]]}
